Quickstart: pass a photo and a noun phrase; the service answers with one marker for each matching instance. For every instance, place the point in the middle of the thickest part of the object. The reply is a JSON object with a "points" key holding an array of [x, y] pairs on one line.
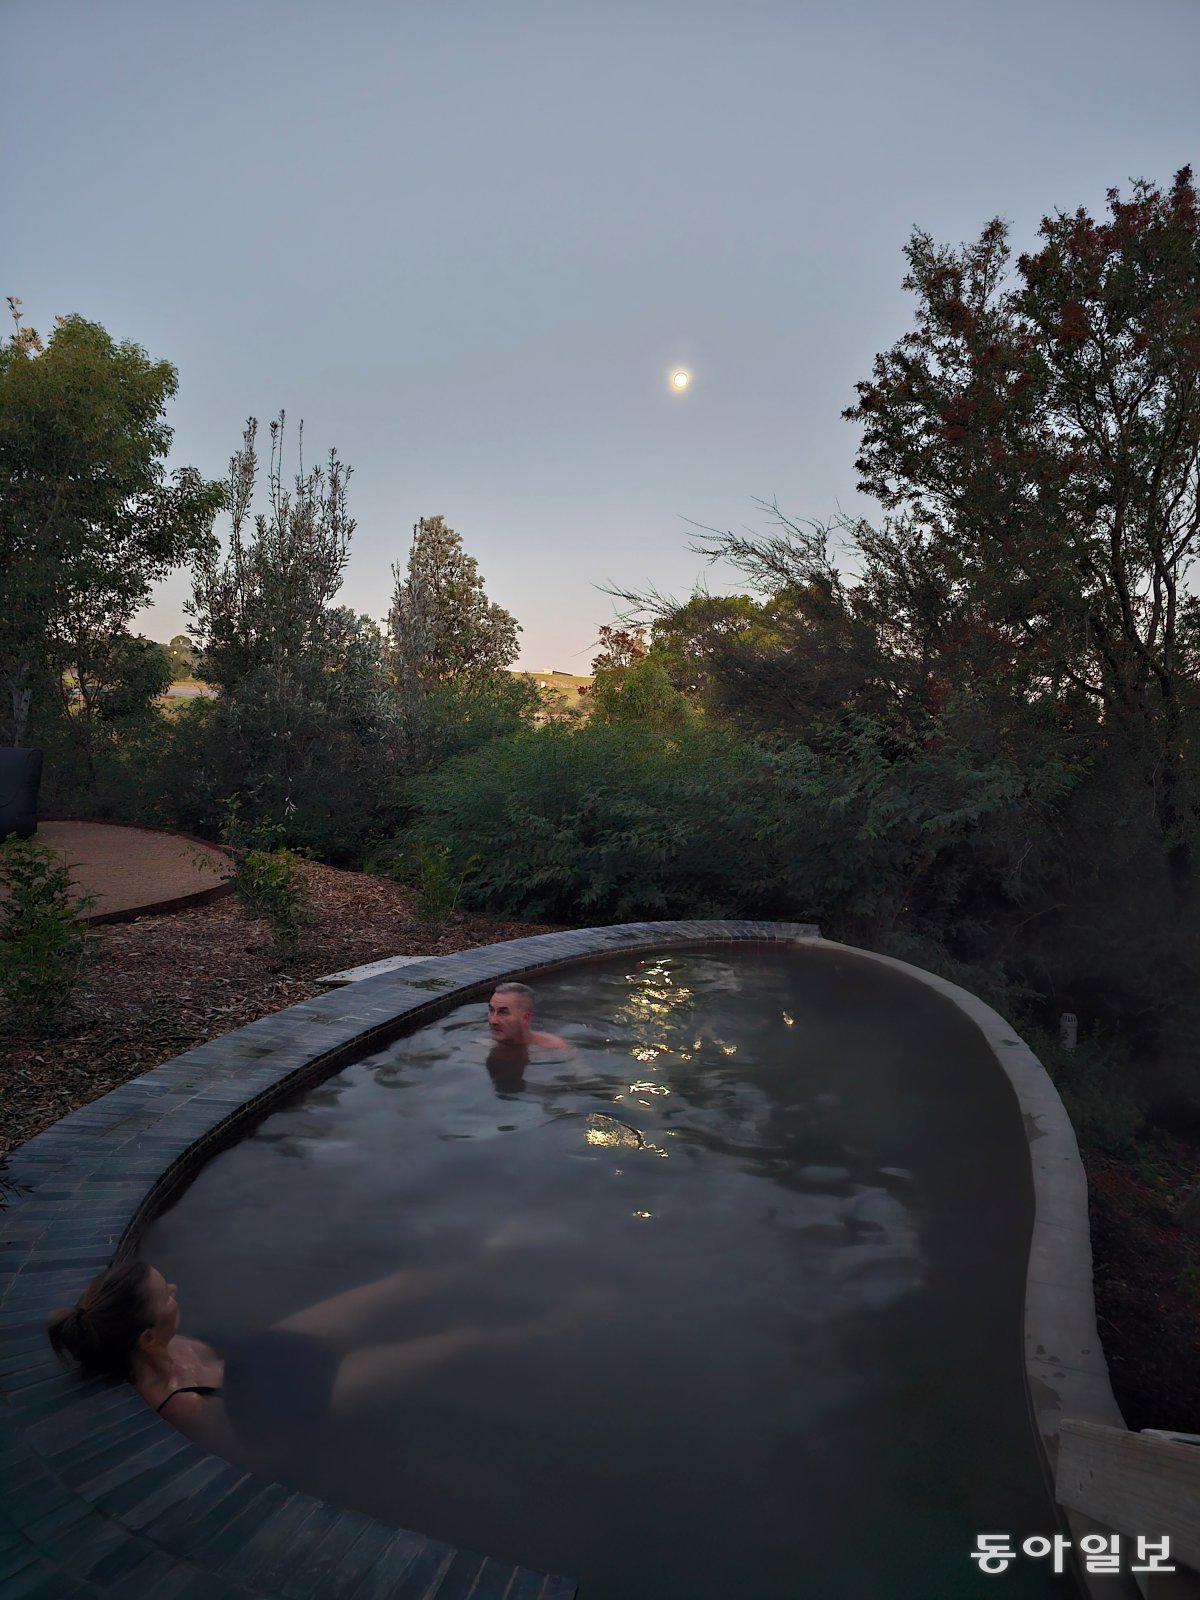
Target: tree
{"points": [[136, 673], [88, 520], [181, 652], [304, 718], [620, 649], [1010, 680], [642, 695], [686, 637], [632, 685], [264, 604], [444, 628], [450, 645], [797, 662], [1037, 448]]}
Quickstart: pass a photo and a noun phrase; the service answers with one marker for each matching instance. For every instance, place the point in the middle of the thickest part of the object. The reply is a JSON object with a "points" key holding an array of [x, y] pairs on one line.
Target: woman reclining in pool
{"points": [[328, 1361]]}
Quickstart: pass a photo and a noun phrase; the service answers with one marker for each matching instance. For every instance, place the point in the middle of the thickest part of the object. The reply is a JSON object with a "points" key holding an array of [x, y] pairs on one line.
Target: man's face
{"points": [[508, 1018]]}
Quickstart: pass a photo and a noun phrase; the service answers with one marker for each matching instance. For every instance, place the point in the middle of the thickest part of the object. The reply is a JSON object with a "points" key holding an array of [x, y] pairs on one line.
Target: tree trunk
{"points": [[1174, 812], [22, 696]]}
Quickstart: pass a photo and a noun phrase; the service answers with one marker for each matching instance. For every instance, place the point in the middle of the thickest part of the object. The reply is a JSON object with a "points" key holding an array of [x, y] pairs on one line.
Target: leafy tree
{"points": [[88, 520], [620, 649], [1018, 632], [687, 636], [444, 628], [1037, 446], [101, 743], [796, 662], [304, 727], [630, 686], [182, 654], [450, 644], [643, 695]]}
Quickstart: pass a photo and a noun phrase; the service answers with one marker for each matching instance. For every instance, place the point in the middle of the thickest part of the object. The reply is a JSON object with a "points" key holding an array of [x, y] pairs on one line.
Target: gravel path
{"points": [[130, 869]]}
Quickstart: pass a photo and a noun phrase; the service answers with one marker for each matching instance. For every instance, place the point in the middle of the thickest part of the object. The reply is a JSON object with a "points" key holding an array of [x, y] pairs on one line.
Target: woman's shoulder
{"points": [[192, 1349], [182, 1406]]}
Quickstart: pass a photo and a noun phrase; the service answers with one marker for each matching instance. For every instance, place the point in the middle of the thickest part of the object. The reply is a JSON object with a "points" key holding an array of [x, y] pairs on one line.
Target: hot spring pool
{"points": [[787, 1203]]}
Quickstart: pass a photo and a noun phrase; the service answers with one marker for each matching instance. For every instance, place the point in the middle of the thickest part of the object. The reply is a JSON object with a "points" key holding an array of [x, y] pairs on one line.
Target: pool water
{"points": [[763, 1228]]}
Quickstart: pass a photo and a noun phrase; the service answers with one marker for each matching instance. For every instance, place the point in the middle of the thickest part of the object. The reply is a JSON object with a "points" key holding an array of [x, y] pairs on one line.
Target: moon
{"points": [[680, 379]]}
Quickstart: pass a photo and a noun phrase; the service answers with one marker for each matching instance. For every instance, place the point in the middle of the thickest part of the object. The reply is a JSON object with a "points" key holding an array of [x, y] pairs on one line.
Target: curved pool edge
{"points": [[100, 1496], [1066, 1371]]}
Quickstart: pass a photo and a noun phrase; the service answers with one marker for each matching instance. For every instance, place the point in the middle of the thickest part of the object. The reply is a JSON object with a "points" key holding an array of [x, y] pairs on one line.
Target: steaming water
{"points": [[801, 1181]]}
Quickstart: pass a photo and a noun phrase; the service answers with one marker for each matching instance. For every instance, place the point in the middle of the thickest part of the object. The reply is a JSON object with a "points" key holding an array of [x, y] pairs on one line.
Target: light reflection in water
{"points": [[609, 1133], [855, 1243]]}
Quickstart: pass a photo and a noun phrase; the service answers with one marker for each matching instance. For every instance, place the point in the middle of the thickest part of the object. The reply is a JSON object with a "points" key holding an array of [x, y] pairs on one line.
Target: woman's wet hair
{"points": [[99, 1333]]}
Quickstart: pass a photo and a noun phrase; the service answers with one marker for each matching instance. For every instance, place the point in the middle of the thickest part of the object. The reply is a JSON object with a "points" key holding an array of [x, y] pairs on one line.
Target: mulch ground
{"points": [[1147, 1277], [162, 984], [159, 985]]}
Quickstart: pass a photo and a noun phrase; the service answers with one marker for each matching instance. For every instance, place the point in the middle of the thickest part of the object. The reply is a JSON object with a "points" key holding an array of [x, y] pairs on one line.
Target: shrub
{"points": [[43, 943], [438, 882], [272, 886], [622, 821], [429, 869], [618, 822], [253, 832], [1096, 1082]]}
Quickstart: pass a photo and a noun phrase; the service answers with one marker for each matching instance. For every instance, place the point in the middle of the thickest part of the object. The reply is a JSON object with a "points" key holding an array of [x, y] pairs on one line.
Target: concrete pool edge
{"points": [[95, 1488], [1066, 1373], [1061, 1338]]}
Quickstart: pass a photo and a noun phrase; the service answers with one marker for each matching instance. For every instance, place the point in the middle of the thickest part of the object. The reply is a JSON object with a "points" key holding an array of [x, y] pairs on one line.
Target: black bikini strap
{"points": [[190, 1388]]}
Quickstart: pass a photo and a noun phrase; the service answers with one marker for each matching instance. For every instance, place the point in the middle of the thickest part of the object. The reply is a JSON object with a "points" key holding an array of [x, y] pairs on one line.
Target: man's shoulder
{"points": [[547, 1041]]}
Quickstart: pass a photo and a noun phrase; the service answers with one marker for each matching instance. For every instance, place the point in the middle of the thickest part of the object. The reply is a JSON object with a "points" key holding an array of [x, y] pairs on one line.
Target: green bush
{"points": [[246, 832], [620, 821], [1097, 1083], [272, 887], [43, 943], [429, 869], [439, 883], [615, 822]]}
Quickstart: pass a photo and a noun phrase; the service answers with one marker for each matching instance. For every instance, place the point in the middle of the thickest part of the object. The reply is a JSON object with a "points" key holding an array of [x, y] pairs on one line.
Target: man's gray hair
{"points": [[521, 990]]}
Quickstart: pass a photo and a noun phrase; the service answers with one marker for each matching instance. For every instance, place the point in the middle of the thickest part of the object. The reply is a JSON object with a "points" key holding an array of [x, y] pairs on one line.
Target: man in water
{"points": [[510, 1019]]}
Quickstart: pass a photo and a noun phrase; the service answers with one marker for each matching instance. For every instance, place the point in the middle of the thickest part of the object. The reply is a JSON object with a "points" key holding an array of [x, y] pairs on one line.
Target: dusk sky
{"points": [[468, 243]]}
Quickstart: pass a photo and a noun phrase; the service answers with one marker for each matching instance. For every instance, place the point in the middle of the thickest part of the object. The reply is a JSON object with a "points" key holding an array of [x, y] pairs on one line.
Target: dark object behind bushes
{"points": [[43, 942], [20, 777]]}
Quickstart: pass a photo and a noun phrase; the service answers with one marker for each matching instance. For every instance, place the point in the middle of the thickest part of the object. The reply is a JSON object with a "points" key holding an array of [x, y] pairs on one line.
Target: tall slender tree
{"points": [[265, 603], [450, 647]]}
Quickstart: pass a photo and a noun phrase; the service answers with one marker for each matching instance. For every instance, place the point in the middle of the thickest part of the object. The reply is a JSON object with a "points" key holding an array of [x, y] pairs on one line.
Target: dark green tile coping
{"points": [[100, 1497]]}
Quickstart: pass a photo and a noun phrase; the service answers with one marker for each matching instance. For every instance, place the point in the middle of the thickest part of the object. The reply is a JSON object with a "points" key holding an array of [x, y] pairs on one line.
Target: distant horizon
{"points": [[528, 672]]}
